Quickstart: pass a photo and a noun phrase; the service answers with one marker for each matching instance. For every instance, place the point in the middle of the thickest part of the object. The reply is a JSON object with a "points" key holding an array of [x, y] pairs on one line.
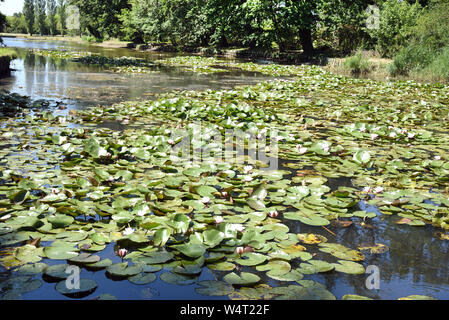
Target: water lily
{"points": [[411, 135], [205, 200], [239, 250], [374, 136], [273, 214], [393, 134], [366, 190], [171, 142], [301, 149], [437, 157], [248, 179], [122, 253], [218, 219], [224, 194], [128, 231], [378, 190], [247, 169]]}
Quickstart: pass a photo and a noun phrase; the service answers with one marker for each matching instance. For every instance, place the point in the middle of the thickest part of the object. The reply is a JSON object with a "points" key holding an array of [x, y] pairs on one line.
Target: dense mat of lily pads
{"points": [[69, 187], [195, 64]]}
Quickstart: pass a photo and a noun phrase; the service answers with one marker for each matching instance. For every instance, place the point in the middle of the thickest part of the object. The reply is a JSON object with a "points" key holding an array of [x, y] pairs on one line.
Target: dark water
{"points": [[417, 262]]}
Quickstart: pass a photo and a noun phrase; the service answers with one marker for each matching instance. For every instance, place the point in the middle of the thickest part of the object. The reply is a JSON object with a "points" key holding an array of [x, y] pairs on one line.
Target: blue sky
{"points": [[9, 7]]}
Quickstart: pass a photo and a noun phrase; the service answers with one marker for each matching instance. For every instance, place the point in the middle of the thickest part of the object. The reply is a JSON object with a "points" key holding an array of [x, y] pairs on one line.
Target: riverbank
{"points": [[6, 55], [376, 67]]}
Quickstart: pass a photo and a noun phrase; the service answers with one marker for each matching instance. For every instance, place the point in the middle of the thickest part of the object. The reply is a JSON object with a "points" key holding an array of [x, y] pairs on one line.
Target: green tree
{"points": [[101, 18], [51, 12], [62, 6], [28, 12], [41, 16], [397, 20], [16, 24]]}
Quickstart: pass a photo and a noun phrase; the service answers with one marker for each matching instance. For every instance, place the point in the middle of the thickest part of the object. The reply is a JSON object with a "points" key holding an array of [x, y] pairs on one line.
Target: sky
{"points": [[9, 7]]}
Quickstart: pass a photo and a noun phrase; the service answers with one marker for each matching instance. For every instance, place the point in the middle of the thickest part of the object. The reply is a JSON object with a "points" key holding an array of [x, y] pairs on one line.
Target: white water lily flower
{"points": [[239, 250], [301, 149], [378, 190], [218, 219], [374, 136], [393, 134], [411, 135], [437, 157], [237, 227], [205, 200], [171, 142], [122, 253], [366, 189], [247, 169], [248, 178], [55, 191], [128, 231]]}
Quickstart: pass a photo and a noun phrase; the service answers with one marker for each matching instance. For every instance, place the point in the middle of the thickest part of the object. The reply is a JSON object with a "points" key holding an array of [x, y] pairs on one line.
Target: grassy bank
{"points": [[113, 43], [6, 55]]}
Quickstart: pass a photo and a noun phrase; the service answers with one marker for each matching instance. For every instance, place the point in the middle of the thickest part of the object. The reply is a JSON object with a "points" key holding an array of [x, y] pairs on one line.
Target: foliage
{"points": [[40, 7], [342, 24], [16, 24], [62, 7], [427, 50], [51, 13], [28, 13], [101, 18], [397, 19], [357, 64]]}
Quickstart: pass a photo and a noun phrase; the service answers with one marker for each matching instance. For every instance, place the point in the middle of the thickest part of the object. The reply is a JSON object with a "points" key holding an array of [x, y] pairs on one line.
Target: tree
{"points": [[101, 18], [51, 12], [62, 15], [41, 15], [28, 12], [17, 24]]}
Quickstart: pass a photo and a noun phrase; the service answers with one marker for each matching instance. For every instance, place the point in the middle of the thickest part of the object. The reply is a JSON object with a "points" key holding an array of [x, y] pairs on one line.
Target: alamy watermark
{"points": [[73, 18], [373, 280], [373, 20], [73, 280]]}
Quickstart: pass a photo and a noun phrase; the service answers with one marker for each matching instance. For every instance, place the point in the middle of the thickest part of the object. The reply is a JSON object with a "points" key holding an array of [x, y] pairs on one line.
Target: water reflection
{"points": [[81, 85]]}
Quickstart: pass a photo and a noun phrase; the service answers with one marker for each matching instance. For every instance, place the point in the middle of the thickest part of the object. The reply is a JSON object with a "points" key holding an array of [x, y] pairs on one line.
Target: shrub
{"points": [[428, 50], [357, 64], [439, 67], [397, 19]]}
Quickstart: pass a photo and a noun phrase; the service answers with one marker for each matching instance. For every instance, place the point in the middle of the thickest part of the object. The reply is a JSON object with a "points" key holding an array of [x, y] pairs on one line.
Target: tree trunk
{"points": [[94, 32], [306, 41]]}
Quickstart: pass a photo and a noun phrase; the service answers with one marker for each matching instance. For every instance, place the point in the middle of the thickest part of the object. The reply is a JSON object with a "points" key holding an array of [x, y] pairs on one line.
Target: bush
{"points": [[91, 39], [413, 57], [397, 20], [428, 50], [439, 67], [357, 64]]}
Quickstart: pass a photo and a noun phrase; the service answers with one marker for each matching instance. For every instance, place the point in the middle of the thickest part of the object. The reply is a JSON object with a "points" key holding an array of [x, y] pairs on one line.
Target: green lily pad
{"points": [[143, 278], [244, 279], [214, 288], [85, 286], [123, 269]]}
